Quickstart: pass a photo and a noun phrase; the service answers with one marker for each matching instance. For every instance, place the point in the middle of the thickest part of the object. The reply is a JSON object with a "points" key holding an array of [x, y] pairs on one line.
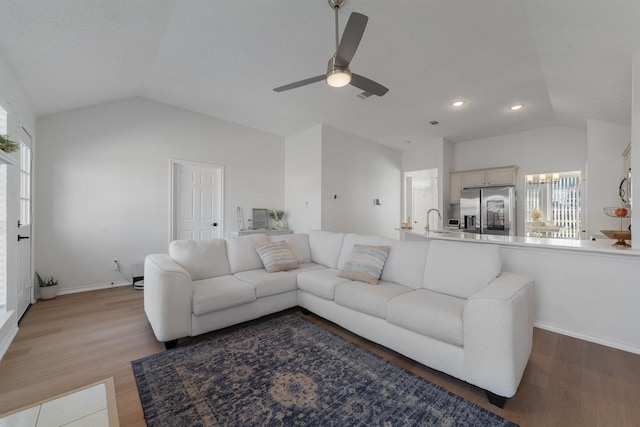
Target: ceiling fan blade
{"points": [[351, 39], [367, 85], [301, 83]]}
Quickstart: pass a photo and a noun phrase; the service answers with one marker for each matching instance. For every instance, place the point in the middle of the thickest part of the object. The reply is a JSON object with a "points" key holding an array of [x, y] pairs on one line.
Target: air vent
{"points": [[364, 95]]}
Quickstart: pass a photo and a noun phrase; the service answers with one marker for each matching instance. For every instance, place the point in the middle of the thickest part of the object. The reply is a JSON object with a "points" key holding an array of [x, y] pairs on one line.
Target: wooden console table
{"points": [[269, 232]]}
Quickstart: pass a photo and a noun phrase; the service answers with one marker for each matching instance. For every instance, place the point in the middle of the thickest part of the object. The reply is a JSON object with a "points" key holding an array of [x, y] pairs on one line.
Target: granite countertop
{"points": [[597, 246]]}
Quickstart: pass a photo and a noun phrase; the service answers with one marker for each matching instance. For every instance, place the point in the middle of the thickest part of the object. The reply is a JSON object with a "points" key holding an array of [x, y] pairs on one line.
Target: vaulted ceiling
{"points": [[566, 61]]}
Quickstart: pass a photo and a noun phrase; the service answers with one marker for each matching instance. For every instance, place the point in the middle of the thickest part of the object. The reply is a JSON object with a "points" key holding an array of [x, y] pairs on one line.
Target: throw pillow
{"points": [[276, 256], [365, 263]]}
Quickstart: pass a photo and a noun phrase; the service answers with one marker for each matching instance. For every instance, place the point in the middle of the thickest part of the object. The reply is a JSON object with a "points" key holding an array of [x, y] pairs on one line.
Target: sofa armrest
{"points": [[498, 333], [168, 295]]}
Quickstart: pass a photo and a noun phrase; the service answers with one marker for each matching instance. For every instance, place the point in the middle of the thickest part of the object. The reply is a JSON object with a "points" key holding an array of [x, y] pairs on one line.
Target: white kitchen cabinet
{"points": [[455, 187], [480, 178], [503, 176], [489, 177], [474, 179]]}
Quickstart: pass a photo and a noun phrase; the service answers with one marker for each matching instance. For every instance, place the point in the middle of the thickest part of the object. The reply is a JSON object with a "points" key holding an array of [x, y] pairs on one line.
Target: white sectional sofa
{"points": [[445, 304]]}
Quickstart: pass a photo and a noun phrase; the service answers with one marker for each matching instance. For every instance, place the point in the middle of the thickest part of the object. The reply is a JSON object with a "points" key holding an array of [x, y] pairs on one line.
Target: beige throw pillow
{"points": [[276, 256], [365, 263]]}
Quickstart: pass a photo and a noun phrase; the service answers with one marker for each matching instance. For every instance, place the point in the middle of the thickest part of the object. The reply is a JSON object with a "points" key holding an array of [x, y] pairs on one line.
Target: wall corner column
{"points": [[635, 151]]}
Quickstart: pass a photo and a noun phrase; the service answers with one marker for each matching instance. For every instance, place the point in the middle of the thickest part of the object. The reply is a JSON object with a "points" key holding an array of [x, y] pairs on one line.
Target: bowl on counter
{"points": [[620, 237]]}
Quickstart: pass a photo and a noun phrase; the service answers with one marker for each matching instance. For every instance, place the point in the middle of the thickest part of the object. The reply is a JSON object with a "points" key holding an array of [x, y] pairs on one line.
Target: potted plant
{"points": [[277, 216], [48, 287], [7, 145]]}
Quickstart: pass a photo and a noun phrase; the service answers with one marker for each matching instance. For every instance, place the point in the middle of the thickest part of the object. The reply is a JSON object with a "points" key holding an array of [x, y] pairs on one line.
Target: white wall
{"points": [[303, 180], [102, 183], [323, 162], [436, 153], [553, 148], [635, 144], [605, 144], [587, 295], [423, 155], [549, 149], [358, 171]]}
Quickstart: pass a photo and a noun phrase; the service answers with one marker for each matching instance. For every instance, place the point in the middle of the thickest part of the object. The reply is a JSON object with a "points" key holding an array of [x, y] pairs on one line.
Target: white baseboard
{"points": [[93, 287], [8, 331], [596, 340]]}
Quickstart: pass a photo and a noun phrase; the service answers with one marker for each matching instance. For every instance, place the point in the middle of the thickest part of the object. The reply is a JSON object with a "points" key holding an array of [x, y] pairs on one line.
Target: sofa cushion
{"points": [[297, 243], [242, 252], [429, 313], [203, 259], [276, 256], [220, 293], [320, 283], [365, 263], [405, 264], [460, 269], [325, 247], [275, 283], [368, 299]]}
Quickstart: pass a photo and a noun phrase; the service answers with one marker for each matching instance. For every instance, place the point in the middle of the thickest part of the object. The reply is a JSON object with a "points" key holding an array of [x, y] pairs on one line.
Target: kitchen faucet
{"points": [[428, 212]]}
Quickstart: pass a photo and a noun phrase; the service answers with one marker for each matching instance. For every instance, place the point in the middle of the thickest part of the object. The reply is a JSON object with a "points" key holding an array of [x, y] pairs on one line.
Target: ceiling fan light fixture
{"points": [[338, 77]]}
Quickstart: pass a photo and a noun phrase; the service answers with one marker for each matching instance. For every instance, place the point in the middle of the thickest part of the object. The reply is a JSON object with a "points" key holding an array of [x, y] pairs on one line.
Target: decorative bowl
{"points": [[619, 236], [611, 211]]}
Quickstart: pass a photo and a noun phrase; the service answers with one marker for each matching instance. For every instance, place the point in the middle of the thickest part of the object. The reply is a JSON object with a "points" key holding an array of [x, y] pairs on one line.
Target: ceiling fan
{"points": [[338, 72]]}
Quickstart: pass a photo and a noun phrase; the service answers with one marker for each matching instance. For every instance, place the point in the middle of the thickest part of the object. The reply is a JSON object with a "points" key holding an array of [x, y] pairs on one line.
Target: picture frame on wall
{"points": [[260, 219]]}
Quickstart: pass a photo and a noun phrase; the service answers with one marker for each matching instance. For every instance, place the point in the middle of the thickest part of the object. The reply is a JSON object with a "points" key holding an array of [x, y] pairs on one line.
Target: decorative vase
{"points": [[48, 292]]}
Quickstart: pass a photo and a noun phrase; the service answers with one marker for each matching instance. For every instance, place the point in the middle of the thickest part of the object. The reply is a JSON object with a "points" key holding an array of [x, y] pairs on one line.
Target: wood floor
{"points": [[79, 339]]}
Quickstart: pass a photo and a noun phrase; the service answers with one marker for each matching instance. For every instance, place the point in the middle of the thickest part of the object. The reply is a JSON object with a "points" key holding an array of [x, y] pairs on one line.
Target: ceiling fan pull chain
{"points": [[337, 33]]}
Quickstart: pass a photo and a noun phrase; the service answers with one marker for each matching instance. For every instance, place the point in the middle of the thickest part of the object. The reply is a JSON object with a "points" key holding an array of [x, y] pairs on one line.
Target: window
{"points": [[557, 197], [25, 184]]}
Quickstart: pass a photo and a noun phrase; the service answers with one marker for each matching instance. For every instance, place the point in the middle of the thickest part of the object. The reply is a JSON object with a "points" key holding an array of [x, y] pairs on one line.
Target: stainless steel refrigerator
{"points": [[490, 210]]}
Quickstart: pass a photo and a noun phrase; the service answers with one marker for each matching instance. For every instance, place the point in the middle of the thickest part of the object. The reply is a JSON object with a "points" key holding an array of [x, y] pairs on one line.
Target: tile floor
{"points": [[88, 407]]}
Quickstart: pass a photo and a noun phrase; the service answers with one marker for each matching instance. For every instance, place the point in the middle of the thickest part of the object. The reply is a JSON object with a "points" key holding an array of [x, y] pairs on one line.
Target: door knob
{"points": [[22, 237], [214, 224]]}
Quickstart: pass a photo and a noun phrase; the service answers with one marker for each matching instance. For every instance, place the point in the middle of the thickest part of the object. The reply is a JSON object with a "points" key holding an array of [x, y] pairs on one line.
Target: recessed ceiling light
{"points": [[458, 104], [516, 107]]}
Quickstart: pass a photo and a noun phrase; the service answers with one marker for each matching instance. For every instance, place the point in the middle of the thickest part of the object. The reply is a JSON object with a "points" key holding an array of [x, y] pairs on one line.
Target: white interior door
{"points": [[25, 265], [197, 204]]}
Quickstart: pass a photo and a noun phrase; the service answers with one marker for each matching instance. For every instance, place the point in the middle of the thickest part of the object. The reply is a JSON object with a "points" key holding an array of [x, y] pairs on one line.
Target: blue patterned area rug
{"points": [[287, 371]]}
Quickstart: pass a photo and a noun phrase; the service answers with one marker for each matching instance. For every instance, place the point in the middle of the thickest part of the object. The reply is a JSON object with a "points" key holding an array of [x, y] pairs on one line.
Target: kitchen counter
{"points": [[602, 246]]}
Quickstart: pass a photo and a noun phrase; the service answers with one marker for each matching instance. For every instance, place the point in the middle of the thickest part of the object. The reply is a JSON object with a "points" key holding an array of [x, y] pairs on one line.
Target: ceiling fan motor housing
{"points": [[336, 4]]}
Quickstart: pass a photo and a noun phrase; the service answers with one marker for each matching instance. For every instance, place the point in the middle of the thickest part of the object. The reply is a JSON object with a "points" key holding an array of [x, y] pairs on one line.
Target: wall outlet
{"points": [[116, 266]]}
